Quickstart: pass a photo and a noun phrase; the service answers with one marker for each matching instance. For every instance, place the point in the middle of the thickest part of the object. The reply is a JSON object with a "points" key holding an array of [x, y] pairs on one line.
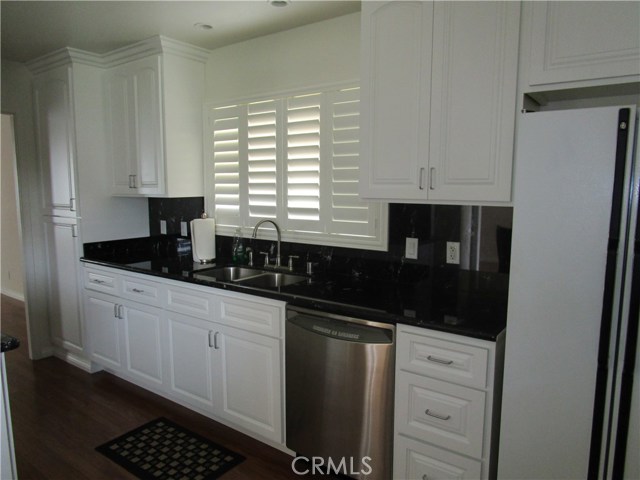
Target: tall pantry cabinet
{"points": [[60, 80]]}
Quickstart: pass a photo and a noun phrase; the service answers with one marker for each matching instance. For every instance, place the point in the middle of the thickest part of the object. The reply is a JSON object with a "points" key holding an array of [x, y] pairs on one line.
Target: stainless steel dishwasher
{"points": [[339, 387]]}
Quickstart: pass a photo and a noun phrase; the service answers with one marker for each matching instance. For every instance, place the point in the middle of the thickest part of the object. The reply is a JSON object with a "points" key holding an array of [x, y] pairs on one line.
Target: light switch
{"points": [[163, 227], [411, 249], [183, 229]]}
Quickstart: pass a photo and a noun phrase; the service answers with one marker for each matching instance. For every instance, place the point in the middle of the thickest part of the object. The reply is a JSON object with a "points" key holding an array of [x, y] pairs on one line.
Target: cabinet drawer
{"points": [[419, 461], [100, 281], [444, 414], [190, 302], [141, 291], [454, 362], [244, 313]]}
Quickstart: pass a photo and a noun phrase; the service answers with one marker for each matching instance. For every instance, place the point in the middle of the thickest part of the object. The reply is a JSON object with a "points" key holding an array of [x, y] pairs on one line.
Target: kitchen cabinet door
{"points": [[584, 41], [473, 101], [104, 330], [134, 126], [438, 101], [56, 140], [65, 318], [143, 343], [248, 381], [190, 360], [395, 86]]}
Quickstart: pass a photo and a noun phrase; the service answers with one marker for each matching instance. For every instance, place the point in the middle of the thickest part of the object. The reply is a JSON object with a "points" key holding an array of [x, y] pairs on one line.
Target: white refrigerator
{"points": [[570, 393]]}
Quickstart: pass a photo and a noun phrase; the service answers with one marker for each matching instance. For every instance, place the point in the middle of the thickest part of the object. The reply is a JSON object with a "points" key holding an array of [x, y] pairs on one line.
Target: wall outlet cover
{"points": [[183, 229], [163, 227], [411, 248], [453, 253]]}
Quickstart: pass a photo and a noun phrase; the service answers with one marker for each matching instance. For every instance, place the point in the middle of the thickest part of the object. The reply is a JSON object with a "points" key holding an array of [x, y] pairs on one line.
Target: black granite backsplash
{"points": [[173, 211], [478, 229]]}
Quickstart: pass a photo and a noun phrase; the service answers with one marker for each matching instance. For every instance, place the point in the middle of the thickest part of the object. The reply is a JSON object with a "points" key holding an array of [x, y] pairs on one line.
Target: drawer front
{"points": [[141, 291], [190, 302], [100, 281], [446, 360], [440, 413], [250, 315], [418, 461]]}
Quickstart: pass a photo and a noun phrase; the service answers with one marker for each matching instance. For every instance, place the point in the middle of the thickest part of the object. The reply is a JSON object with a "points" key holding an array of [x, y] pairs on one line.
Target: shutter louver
{"points": [[226, 165], [349, 214], [262, 154], [303, 162]]}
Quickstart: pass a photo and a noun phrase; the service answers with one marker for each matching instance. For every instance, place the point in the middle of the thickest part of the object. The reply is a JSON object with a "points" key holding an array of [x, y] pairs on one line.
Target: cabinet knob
{"points": [[431, 358]]}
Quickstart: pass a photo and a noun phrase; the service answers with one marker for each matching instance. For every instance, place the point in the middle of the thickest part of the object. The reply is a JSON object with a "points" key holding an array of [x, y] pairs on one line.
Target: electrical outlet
{"points": [[183, 229], [163, 227], [411, 248], [453, 253]]}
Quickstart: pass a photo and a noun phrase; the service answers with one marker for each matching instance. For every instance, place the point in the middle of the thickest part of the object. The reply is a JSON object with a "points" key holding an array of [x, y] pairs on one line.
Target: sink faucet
{"points": [[255, 232]]}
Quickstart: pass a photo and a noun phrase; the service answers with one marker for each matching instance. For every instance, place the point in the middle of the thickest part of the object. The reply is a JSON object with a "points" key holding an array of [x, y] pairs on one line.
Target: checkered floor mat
{"points": [[163, 450]]}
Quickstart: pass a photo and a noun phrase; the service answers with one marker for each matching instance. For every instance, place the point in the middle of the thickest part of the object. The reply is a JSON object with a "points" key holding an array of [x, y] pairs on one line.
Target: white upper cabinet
{"points": [[438, 100], [584, 41], [134, 127], [154, 119], [56, 140]]}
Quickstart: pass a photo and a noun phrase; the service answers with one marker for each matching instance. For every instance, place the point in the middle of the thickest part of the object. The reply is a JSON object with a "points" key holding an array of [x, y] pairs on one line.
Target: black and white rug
{"points": [[163, 450]]}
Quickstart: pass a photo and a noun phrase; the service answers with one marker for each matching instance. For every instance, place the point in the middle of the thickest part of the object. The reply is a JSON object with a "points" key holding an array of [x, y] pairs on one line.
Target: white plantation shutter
{"points": [[302, 162], [225, 171], [348, 214], [293, 159], [262, 154]]}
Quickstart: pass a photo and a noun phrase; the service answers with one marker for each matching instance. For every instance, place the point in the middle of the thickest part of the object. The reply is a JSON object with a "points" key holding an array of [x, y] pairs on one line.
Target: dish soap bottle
{"points": [[237, 252]]}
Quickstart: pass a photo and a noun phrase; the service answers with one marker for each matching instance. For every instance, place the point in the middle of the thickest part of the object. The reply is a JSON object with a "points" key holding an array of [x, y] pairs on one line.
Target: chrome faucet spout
{"points": [[255, 232]]}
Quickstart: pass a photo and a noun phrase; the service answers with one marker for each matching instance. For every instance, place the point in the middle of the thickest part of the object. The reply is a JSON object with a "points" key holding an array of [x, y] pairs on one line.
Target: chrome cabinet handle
{"points": [[215, 340], [120, 310], [210, 341], [137, 290], [74, 231], [115, 310], [132, 181], [421, 179], [432, 175], [437, 415], [98, 281], [439, 360], [72, 204]]}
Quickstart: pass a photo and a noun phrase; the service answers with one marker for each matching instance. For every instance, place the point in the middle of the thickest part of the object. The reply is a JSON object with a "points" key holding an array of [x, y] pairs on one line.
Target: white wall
{"points": [[318, 54], [11, 281]]}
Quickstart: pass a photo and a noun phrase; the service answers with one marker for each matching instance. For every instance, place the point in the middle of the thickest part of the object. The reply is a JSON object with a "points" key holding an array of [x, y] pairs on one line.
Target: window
{"points": [[293, 159]]}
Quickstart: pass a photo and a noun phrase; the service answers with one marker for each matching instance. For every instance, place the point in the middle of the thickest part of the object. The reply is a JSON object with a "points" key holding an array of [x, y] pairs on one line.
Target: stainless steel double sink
{"points": [[251, 277]]}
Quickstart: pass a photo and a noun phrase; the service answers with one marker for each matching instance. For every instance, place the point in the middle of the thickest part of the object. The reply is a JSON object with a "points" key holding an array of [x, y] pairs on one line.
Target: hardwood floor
{"points": [[61, 413]]}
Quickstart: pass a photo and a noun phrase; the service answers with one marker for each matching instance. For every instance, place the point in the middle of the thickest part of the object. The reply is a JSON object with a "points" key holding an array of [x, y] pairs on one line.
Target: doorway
{"points": [[11, 253]]}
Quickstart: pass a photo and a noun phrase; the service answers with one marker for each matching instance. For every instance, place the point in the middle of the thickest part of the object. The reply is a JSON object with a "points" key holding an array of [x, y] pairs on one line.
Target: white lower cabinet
{"points": [[219, 353], [446, 405], [421, 461], [105, 331], [143, 343], [190, 360], [248, 380]]}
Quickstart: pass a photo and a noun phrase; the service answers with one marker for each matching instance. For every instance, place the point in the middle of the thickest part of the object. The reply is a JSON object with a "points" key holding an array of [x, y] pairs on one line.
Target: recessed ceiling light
{"points": [[202, 26], [279, 3]]}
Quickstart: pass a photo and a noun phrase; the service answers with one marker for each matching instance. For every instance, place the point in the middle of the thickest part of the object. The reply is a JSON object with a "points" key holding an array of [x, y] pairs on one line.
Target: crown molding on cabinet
{"points": [[153, 45]]}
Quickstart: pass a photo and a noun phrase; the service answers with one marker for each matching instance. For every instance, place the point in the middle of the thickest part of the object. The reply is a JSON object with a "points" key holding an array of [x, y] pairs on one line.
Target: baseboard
{"points": [[76, 360], [15, 295]]}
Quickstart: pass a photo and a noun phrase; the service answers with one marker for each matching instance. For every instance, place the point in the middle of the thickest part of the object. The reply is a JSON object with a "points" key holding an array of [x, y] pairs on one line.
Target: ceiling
{"points": [[33, 28]]}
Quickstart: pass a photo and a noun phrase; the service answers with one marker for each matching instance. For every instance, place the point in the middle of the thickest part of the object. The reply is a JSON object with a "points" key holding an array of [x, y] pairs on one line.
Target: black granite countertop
{"points": [[9, 343], [463, 302]]}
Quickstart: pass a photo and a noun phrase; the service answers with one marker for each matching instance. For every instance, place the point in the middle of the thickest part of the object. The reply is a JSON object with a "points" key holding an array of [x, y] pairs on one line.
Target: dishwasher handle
{"points": [[351, 331]]}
